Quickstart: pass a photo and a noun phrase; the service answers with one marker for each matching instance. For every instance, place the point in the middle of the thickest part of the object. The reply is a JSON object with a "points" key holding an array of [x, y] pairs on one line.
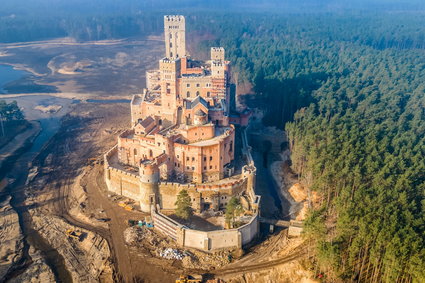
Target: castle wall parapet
{"points": [[208, 241]]}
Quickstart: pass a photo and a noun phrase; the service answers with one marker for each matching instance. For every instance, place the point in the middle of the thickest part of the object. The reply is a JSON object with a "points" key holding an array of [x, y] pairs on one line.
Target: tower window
{"points": [[208, 94], [197, 93], [198, 85], [188, 85], [188, 94], [171, 44]]}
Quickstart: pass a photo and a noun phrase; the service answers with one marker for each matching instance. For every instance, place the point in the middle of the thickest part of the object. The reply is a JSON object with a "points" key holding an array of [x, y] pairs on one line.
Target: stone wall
{"points": [[119, 181], [207, 241]]}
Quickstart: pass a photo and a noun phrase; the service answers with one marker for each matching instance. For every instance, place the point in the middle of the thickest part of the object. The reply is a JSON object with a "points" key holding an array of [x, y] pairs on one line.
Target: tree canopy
{"points": [[183, 205], [350, 92], [10, 111]]}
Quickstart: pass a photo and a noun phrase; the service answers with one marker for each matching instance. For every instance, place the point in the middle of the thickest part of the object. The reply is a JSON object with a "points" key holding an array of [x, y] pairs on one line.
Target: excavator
{"points": [[74, 234]]}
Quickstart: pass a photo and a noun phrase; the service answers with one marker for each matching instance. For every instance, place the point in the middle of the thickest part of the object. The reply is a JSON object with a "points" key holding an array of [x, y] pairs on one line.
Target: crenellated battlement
{"points": [[174, 18]]}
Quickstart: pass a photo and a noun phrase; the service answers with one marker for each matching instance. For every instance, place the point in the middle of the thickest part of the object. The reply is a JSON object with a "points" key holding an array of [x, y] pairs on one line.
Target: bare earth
{"points": [[66, 189]]}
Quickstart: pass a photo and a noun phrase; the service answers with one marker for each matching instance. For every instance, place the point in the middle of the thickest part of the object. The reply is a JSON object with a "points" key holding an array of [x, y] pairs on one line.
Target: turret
{"points": [[149, 179], [217, 54], [200, 118], [175, 36]]}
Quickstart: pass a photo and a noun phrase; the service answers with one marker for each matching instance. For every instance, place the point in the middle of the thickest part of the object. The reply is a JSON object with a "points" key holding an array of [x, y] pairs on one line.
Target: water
{"points": [[8, 74]]}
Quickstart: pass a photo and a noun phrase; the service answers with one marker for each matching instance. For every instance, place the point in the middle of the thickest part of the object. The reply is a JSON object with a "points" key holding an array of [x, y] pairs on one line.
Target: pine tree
{"points": [[183, 205]]}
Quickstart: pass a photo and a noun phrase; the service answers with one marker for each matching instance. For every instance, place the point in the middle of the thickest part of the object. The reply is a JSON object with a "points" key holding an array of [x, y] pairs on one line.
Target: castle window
{"points": [[188, 94], [187, 158], [135, 151], [205, 159], [193, 168], [193, 158], [187, 167], [205, 167], [175, 163], [198, 85], [210, 158], [171, 44], [197, 93], [171, 35], [150, 153], [208, 94], [210, 167], [178, 156], [188, 85], [171, 54]]}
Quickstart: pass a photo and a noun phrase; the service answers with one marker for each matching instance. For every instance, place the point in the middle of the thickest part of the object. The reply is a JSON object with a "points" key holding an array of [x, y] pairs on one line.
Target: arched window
{"points": [[160, 122], [197, 93], [208, 94], [135, 151], [150, 153], [188, 94]]}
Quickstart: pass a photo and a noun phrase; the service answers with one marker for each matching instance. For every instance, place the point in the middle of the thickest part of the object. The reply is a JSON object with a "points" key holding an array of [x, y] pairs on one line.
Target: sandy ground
{"points": [[98, 68], [10, 237]]}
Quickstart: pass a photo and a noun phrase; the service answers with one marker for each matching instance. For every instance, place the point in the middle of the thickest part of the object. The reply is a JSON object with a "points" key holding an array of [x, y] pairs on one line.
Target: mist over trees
{"points": [[27, 20]]}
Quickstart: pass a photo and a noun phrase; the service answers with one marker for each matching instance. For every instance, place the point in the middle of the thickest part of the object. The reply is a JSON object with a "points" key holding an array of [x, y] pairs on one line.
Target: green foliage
{"points": [[10, 111], [183, 205], [350, 92], [233, 209]]}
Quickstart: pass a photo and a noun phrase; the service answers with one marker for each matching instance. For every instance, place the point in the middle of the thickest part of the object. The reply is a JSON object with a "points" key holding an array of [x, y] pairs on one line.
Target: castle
{"points": [[182, 136]]}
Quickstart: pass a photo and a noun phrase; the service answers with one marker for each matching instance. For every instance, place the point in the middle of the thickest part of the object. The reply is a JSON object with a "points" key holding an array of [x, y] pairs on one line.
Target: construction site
{"points": [[73, 211]]}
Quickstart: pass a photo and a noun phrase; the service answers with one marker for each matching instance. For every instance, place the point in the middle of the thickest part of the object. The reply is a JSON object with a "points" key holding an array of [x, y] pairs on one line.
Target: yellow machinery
{"points": [[125, 205], [74, 234]]}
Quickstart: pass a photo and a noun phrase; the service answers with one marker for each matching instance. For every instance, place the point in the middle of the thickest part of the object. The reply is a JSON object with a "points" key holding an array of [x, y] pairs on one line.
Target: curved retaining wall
{"points": [[203, 240]]}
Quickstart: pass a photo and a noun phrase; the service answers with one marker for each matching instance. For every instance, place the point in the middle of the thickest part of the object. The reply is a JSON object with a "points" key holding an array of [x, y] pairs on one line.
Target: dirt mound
{"points": [[298, 192]]}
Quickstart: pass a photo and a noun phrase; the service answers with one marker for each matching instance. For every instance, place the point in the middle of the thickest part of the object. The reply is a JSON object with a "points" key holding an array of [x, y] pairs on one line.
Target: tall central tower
{"points": [[175, 36]]}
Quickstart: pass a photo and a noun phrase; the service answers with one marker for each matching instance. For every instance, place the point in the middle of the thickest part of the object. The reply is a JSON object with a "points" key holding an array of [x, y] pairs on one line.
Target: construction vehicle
{"points": [[125, 205], [189, 279], [72, 233]]}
